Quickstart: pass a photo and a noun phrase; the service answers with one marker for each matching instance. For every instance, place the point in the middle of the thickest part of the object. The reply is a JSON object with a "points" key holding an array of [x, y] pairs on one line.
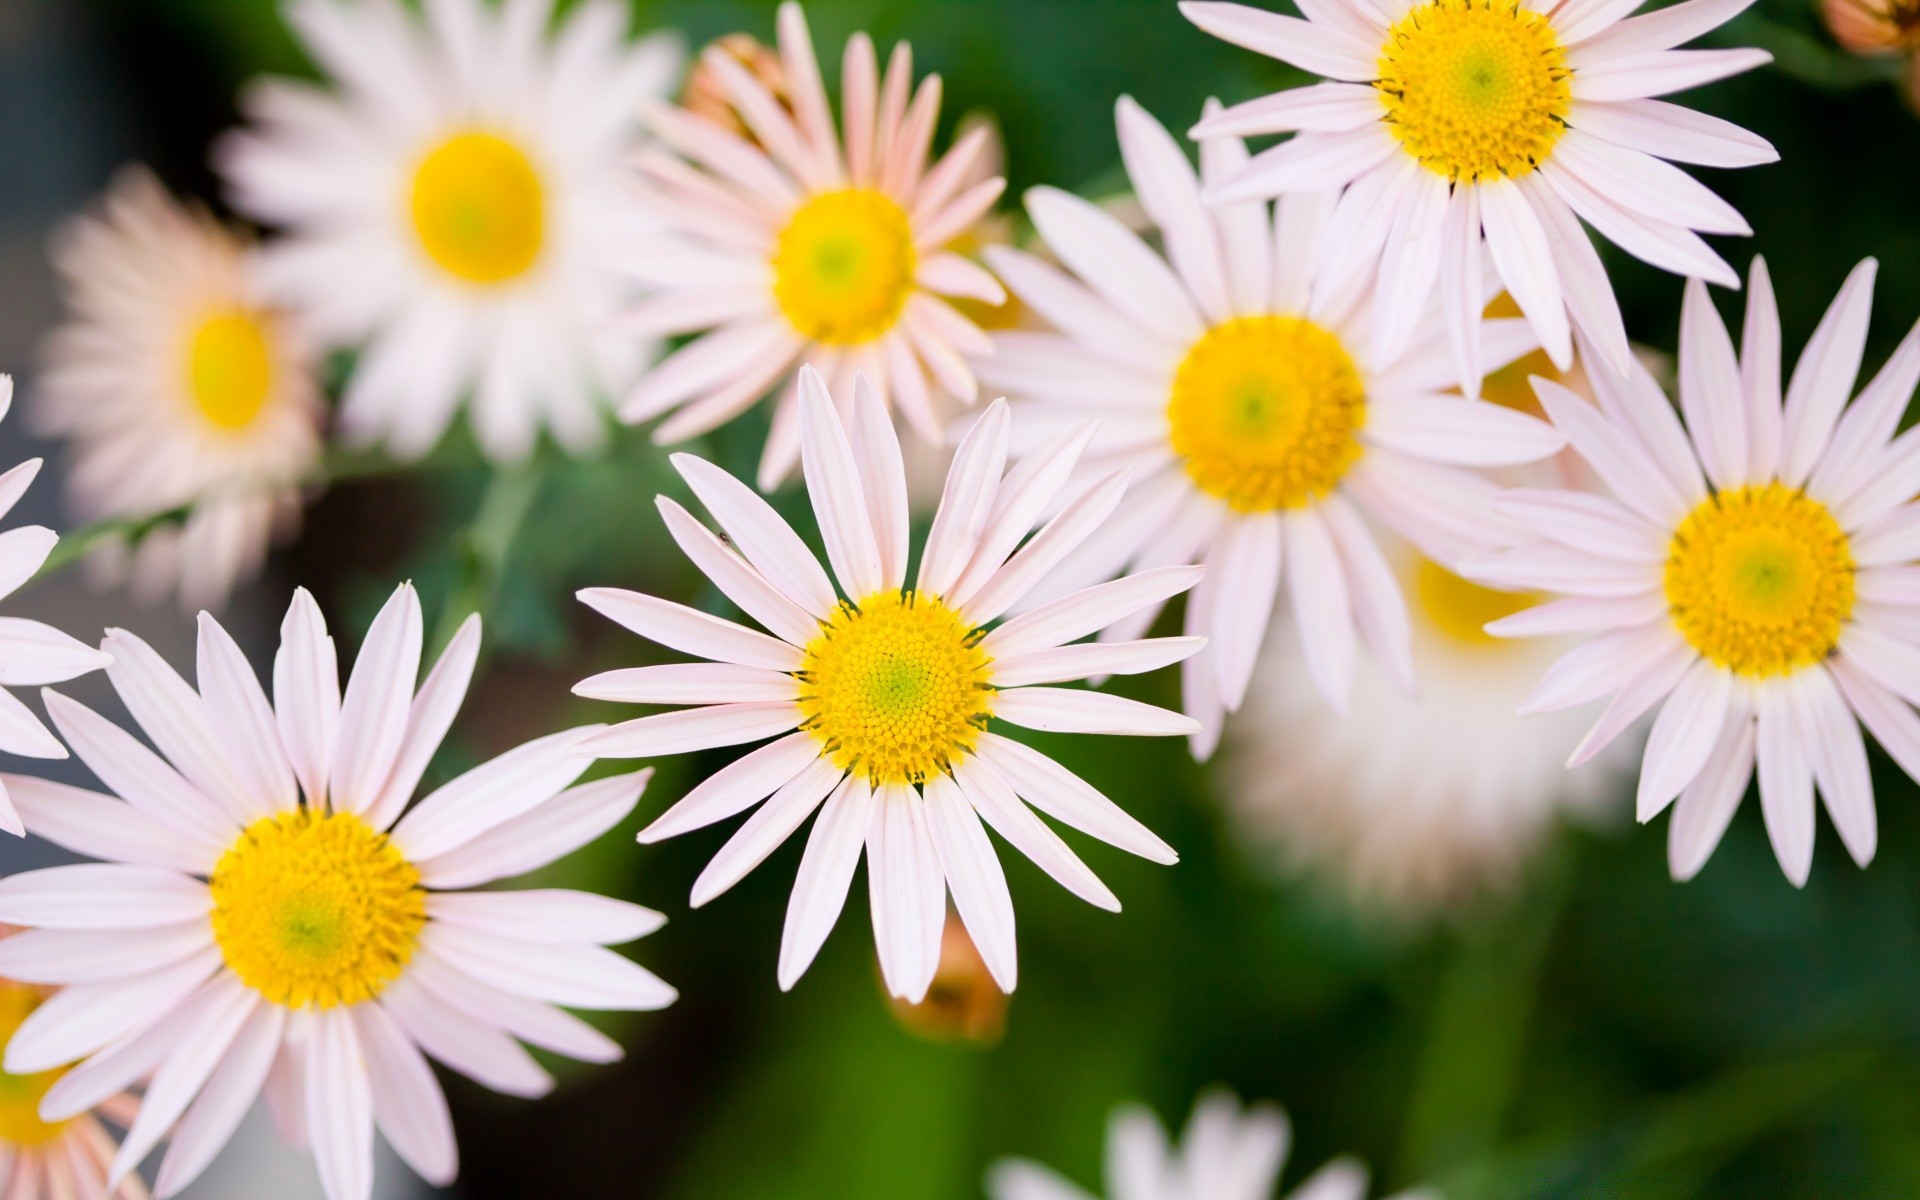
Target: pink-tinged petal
{"points": [[737, 578], [976, 147], [1614, 455], [738, 786], [1023, 496], [1891, 538], [1063, 710], [546, 915], [1683, 736], [1083, 612], [765, 117], [1589, 293], [339, 1104], [22, 733], [966, 503], [1075, 311], [826, 872], [1823, 378], [1169, 191], [804, 89], [833, 485], [22, 551], [478, 1050], [1469, 433], [766, 540], [1064, 796], [1462, 285], [1307, 162], [1577, 20], [428, 720], [590, 977], [959, 216], [498, 790], [1313, 48], [1706, 807], [1322, 610], [551, 831], [221, 1012], [1524, 259], [1243, 578], [1710, 390], [531, 1021], [105, 828], [408, 1105], [904, 887], [1379, 608], [106, 1074], [704, 364], [1892, 723], [1660, 72], [1564, 570], [950, 274], [1898, 586], [1299, 219], [228, 1094], [1646, 185], [240, 710], [1669, 247], [1086, 660], [81, 1019], [764, 832], [1246, 230], [1861, 437], [1410, 266], [1673, 132], [1586, 522], [101, 896], [1638, 695], [15, 482], [691, 631], [1047, 549], [373, 714], [1324, 107], [689, 683], [1581, 614], [1786, 784], [1114, 261], [994, 799], [141, 777], [1602, 665], [973, 873], [62, 956], [1638, 405], [883, 478], [1831, 734], [1662, 29], [306, 693], [691, 729], [175, 717]]}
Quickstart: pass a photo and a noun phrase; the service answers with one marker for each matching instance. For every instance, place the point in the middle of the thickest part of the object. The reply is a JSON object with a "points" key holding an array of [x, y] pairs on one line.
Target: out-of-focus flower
{"points": [[452, 208], [178, 388], [272, 916], [879, 694], [30, 652], [1239, 382], [801, 242], [1451, 130], [964, 1003], [1227, 1153], [1752, 578], [1873, 26], [59, 1160], [705, 95]]}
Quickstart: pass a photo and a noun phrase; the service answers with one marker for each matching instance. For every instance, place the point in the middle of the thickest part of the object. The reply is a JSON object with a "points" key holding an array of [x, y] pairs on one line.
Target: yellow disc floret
{"points": [[1760, 580], [1265, 411], [1475, 89], [316, 909], [895, 688], [479, 208], [1460, 608], [843, 267], [20, 1095], [230, 367]]}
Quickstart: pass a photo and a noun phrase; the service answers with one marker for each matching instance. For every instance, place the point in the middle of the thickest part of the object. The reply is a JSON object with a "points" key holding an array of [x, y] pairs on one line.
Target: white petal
{"points": [[577, 976], [766, 830], [1023, 496], [83, 1018], [833, 484], [373, 715], [1861, 437], [1313, 48], [554, 829], [1613, 455], [1462, 283], [1410, 268], [141, 777], [1660, 72], [1586, 522], [175, 717], [498, 790], [1322, 610], [1839, 757], [691, 729], [1644, 184], [1645, 688], [688, 683], [1084, 660], [546, 915], [340, 1108], [826, 871], [1786, 785], [1243, 575], [691, 631], [1083, 612], [973, 873], [883, 478], [1824, 376], [1599, 666], [1064, 796], [477, 1050], [1589, 293], [101, 896], [1468, 433], [1327, 107], [766, 540], [737, 787], [34, 653], [220, 1013], [306, 693], [1525, 261], [225, 1099], [1061, 710], [533, 1022], [1706, 807], [966, 502], [904, 887], [1307, 162], [102, 827], [1683, 736], [1002, 810], [408, 1105], [428, 720], [1379, 607], [737, 578], [60, 956], [1047, 549], [1674, 132], [239, 708], [1114, 261]]}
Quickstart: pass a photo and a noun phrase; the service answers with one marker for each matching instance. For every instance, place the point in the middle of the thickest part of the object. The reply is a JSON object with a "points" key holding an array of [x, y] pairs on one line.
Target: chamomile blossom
{"points": [[1241, 382], [30, 652], [807, 241], [1227, 1153], [449, 208], [176, 388], [272, 915], [59, 1160], [879, 694], [1447, 126], [1751, 576]]}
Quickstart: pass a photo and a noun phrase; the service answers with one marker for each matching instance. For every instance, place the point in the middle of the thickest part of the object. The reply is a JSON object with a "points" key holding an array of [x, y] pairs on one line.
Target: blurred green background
{"points": [[1601, 1031]]}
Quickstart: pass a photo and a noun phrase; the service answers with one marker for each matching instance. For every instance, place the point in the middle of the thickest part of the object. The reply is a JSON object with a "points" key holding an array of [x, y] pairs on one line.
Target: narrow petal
{"points": [[691, 631], [551, 831], [239, 709], [340, 1108], [306, 693], [766, 540], [833, 484], [1786, 785], [1706, 807], [1322, 609], [973, 873], [1524, 259], [498, 790], [1061, 710], [428, 719], [1003, 812], [408, 1105], [1683, 736], [1064, 796], [1086, 611], [972, 482], [373, 714], [1823, 378], [826, 872], [546, 915]]}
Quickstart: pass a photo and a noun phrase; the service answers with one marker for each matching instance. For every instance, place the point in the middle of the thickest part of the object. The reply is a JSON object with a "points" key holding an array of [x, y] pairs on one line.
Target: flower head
{"points": [[793, 239], [880, 694], [1266, 418], [272, 914], [177, 387], [1455, 129], [67, 1157], [451, 206], [1751, 576]]}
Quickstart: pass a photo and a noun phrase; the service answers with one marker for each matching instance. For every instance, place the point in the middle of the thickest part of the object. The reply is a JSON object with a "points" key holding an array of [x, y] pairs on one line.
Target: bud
{"points": [[1873, 26], [964, 1004], [705, 97]]}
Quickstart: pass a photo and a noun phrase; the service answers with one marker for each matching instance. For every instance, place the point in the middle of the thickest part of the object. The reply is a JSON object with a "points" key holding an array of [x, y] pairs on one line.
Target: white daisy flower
{"points": [[176, 387], [1417, 802], [1243, 385], [56, 1159], [879, 694], [30, 652], [1752, 578], [1453, 124], [809, 243], [452, 206], [272, 915], [1226, 1153]]}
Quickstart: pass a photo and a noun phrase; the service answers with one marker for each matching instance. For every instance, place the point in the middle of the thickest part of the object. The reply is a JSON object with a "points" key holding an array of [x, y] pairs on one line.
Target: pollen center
{"points": [[1475, 89], [20, 1095], [479, 208], [312, 909], [1760, 580], [1461, 609], [843, 267], [895, 688], [1265, 411], [230, 368]]}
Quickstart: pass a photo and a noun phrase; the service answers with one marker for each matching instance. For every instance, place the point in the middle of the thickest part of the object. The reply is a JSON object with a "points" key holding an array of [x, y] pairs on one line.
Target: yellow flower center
{"points": [[479, 208], [1475, 89], [843, 267], [895, 688], [1760, 580], [20, 1095], [1461, 609], [230, 367], [1265, 411], [316, 909]]}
